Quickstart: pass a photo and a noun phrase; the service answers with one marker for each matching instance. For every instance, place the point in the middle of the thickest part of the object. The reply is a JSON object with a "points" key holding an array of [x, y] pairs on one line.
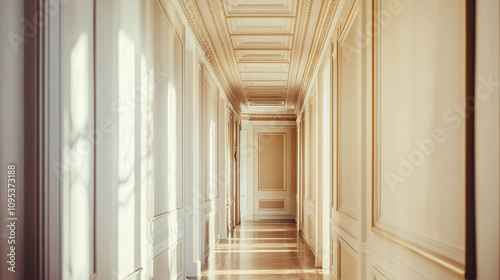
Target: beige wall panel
{"points": [[309, 228], [377, 274], [293, 159], [310, 225], [313, 132], [334, 255], [272, 204], [349, 152], [170, 263], [420, 131], [272, 161], [307, 156], [487, 126], [348, 263], [207, 237]]}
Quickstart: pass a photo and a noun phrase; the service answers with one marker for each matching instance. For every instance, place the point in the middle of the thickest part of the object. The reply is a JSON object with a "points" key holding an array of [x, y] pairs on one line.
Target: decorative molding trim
{"points": [[269, 117], [307, 13], [197, 24], [284, 200], [134, 275], [167, 232], [449, 256], [210, 27], [450, 251], [319, 44], [379, 274], [285, 166], [217, 22], [385, 256]]}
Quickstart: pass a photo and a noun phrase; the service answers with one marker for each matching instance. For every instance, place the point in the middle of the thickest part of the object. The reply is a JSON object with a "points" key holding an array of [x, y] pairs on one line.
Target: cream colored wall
{"points": [[315, 166], [309, 181], [266, 189], [402, 215], [209, 159], [224, 173], [488, 139]]}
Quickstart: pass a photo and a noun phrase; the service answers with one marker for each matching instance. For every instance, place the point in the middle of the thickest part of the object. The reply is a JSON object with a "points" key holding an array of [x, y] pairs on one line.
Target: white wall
{"points": [[121, 91], [193, 196], [76, 170]]}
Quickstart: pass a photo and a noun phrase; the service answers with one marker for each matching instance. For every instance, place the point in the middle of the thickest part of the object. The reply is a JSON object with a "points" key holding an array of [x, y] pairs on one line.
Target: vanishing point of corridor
{"points": [[266, 249]]}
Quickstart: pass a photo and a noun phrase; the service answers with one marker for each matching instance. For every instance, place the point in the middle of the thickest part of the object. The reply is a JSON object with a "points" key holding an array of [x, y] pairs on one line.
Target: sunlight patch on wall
{"points": [[126, 153], [77, 155]]}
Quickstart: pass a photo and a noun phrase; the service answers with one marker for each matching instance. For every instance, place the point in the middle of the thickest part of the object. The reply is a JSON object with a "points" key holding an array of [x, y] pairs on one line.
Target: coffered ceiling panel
{"points": [[266, 50], [263, 67], [264, 76], [266, 94], [262, 56], [260, 7], [261, 25], [265, 85], [267, 102], [246, 42]]}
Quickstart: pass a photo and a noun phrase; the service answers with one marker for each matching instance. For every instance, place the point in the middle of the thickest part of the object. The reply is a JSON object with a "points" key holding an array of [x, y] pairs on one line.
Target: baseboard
{"points": [[223, 235], [274, 217], [193, 269]]}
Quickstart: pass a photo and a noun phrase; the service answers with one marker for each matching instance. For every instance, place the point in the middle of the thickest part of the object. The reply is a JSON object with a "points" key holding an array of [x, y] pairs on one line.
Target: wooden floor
{"points": [[262, 250]]}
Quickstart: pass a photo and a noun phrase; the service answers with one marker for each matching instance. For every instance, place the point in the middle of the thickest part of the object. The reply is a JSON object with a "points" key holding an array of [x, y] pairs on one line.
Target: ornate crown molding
{"points": [[269, 117], [197, 24], [218, 18], [318, 46], [305, 15]]}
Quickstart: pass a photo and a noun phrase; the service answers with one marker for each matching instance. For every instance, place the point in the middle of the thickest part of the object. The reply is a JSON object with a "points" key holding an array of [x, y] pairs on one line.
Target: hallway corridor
{"points": [[265, 249], [250, 139]]}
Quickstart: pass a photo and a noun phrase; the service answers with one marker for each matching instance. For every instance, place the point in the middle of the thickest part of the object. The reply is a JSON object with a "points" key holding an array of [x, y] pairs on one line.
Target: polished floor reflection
{"points": [[270, 249]]}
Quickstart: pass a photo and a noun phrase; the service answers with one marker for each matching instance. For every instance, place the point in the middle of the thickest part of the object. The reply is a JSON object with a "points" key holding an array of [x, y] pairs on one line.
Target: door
{"points": [[274, 165]]}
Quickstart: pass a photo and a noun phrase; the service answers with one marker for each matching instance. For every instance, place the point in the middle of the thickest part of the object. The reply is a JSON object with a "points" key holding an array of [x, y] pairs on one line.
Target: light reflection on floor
{"points": [[262, 250]]}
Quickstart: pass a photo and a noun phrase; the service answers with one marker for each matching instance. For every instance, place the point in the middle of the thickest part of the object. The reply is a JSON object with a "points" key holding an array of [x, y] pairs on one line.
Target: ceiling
{"points": [[262, 48]]}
